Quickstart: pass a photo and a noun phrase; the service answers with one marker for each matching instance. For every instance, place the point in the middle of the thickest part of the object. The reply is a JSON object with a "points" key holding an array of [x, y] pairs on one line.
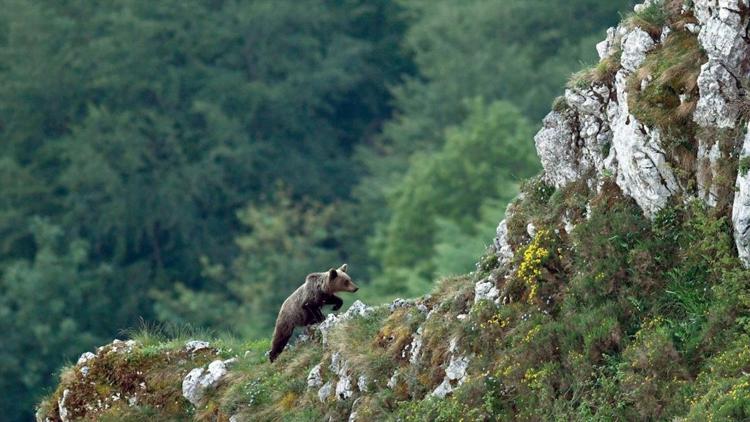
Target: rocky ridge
{"points": [[596, 134]]}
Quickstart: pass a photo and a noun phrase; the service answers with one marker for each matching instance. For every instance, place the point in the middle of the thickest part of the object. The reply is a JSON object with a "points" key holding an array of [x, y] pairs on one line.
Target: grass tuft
{"points": [[664, 91], [744, 166], [603, 73], [651, 18]]}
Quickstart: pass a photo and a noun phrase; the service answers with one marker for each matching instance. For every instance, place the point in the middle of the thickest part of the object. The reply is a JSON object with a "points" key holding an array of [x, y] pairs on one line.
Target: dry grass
{"points": [[355, 341], [670, 75], [652, 18], [396, 334], [602, 73]]}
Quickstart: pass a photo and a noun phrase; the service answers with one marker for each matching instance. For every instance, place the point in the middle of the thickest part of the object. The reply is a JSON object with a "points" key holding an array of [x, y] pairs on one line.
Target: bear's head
{"points": [[339, 281]]}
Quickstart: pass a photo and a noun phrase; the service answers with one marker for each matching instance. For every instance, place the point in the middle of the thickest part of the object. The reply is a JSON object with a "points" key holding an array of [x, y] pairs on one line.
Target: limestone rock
{"points": [[723, 28], [607, 47], [416, 346], [454, 375], [357, 309], [399, 303], [325, 391], [340, 367], [707, 169], [193, 346], [642, 168], [635, 45], [720, 97], [723, 36], [638, 8], [636, 158], [557, 145], [502, 248], [393, 380], [741, 208], [485, 290], [456, 370], [118, 346], [200, 380], [362, 383], [314, 378], [572, 142], [443, 389], [344, 388], [62, 410], [85, 358]]}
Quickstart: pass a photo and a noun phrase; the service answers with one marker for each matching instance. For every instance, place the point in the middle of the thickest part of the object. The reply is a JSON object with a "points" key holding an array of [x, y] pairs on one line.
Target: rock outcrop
{"points": [[741, 207], [595, 134], [200, 380], [455, 371], [358, 309], [724, 37]]}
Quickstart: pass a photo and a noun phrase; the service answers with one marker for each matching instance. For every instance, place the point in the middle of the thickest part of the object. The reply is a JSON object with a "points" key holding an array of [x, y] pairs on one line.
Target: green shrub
{"points": [[653, 373]]}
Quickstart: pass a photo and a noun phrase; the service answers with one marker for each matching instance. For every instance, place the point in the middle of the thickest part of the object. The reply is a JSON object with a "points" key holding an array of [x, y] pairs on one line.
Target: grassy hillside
{"points": [[622, 318]]}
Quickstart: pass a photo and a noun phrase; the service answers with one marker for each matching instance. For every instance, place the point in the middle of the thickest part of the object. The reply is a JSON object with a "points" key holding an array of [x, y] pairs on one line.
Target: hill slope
{"points": [[614, 288]]}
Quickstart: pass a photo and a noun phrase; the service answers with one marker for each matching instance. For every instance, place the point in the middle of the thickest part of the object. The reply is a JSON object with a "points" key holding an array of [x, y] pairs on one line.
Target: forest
{"points": [[187, 163]]}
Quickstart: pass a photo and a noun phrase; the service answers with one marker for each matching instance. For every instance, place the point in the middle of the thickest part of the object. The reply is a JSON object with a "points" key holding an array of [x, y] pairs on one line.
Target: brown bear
{"points": [[302, 308]]}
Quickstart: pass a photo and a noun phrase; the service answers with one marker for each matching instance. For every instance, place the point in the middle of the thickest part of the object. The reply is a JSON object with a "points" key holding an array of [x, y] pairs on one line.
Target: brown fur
{"points": [[302, 307]]}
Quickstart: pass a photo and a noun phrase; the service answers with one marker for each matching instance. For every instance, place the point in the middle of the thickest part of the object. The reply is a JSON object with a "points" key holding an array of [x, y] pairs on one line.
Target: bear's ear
{"points": [[332, 274], [342, 268]]}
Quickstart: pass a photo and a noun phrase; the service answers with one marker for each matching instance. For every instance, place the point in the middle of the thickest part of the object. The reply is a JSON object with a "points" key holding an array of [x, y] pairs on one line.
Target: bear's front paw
{"points": [[336, 307]]}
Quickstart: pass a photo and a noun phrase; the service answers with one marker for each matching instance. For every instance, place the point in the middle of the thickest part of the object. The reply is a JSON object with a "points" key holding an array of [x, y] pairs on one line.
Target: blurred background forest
{"points": [[188, 162]]}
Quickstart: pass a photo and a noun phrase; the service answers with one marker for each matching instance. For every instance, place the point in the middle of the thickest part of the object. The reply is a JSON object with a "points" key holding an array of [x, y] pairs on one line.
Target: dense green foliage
{"points": [[190, 161], [433, 203]]}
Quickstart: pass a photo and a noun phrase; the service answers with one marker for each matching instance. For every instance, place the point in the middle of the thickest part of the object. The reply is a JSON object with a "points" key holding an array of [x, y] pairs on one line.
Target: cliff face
{"points": [[614, 288], [668, 120]]}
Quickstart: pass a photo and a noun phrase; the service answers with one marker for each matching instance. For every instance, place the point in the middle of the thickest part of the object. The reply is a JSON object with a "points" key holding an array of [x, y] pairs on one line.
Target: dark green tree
{"points": [[52, 307], [518, 51], [482, 160]]}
